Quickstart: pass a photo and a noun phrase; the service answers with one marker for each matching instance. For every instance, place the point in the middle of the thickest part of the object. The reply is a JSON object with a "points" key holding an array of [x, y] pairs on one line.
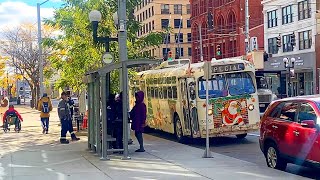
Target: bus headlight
{"points": [[251, 107], [210, 112]]}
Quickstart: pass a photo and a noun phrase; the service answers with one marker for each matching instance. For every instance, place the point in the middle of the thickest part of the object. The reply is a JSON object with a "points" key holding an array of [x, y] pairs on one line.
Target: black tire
{"points": [[241, 136], [273, 158], [178, 130]]}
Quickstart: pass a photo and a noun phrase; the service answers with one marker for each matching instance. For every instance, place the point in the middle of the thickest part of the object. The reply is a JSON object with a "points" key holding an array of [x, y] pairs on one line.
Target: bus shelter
{"points": [[98, 87]]}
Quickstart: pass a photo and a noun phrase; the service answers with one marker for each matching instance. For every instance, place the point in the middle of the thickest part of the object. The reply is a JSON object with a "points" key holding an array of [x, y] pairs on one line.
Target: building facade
{"points": [[225, 36], [291, 32], [161, 15]]}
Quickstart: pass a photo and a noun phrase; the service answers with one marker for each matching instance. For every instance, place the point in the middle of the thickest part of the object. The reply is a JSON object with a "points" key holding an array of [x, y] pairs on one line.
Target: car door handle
{"points": [[275, 127], [296, 133]]}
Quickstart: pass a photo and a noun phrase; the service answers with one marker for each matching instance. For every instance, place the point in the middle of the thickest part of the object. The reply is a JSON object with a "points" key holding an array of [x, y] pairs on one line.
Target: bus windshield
{"points": [[223, 84], [240, 83]]}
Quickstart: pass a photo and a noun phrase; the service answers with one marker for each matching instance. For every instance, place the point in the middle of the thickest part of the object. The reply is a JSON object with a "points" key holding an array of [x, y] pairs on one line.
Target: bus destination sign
{"points": [[227, 68]]}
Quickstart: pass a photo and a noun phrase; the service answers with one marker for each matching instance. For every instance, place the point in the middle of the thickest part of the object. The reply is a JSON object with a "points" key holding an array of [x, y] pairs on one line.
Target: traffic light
{"points": [[210, 20], [279, 41], [293, 39], [218, 50], [169, 56]]}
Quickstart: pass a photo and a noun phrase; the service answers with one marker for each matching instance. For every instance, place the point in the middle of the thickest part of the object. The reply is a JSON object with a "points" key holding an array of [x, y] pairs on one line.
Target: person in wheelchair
{"points": [[12, 113]]}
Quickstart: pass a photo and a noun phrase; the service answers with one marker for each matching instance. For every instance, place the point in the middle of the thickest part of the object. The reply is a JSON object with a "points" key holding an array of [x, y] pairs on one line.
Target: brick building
{"points": [[227, 31]]}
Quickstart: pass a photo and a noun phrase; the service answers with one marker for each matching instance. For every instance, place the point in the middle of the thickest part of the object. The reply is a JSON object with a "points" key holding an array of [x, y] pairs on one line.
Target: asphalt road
{"points": [[245, 149]]}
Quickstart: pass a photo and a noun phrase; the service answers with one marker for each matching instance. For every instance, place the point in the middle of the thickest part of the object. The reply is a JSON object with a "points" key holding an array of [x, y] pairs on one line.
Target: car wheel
{"points": [[273, 158], [178, 130], [241, 136]]}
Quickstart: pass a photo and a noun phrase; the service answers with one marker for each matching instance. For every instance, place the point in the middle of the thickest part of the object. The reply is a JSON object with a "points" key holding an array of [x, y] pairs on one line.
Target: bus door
{"points": [[188, 102]]}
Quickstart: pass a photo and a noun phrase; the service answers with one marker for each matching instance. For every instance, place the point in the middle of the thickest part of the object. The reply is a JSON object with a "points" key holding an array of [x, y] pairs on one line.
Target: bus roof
{"points": [[179, 69]]}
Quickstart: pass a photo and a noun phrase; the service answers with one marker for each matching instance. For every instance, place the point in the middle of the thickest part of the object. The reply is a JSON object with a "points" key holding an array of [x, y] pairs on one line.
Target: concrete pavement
{"points": [[32, 155]]}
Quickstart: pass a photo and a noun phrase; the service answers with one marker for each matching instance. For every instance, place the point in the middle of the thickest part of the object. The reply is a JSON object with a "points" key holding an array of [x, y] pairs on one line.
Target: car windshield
{"points": [[223, 84]]}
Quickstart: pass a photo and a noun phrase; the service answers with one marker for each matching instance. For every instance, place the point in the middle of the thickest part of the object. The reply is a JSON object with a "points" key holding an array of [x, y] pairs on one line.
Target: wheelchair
{"points": [[12, 120]]}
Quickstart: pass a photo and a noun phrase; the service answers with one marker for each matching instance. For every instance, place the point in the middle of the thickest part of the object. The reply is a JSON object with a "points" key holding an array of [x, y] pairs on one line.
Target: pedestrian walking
{"points": [[65, 120], [45, 106], [138, 115]]}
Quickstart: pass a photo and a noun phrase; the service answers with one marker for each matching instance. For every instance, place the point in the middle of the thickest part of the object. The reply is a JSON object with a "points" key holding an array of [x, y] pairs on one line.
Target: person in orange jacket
{"points": [[45, 106], [13, 113]]}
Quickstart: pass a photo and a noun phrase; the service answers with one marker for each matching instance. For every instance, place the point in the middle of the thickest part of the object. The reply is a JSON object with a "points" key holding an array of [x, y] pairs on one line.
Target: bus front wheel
{"points": [[241, 136], [178, 130]]}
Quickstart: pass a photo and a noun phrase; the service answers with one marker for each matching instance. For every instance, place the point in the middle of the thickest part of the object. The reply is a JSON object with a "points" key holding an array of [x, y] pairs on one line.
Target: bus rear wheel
{"points": [[178, 130]]}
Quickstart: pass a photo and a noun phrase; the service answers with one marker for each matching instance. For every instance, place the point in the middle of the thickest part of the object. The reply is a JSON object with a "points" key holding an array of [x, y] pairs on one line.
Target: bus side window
{"points": [[160, 93], [149, 91], [156, 92], [165, 92], [174, 92], [170, 92], [152, 92]]}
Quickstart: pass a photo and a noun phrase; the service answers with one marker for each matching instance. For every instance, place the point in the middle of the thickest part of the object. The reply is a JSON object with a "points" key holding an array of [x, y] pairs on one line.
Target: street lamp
{"points": [[107, 58], [40, 47], [289, 66]]}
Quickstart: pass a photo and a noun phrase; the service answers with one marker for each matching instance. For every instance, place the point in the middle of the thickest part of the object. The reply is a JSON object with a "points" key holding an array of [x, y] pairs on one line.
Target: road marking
{"points": [[257, 135], [44, 156]]}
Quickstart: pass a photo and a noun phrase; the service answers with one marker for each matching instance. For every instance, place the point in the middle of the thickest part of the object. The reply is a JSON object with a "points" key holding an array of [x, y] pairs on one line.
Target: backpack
{"points": [[45, 107]]}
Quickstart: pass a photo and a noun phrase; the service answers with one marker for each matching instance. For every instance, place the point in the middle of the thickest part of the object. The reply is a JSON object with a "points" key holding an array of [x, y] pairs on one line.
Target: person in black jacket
{"points": [[118, 125]]}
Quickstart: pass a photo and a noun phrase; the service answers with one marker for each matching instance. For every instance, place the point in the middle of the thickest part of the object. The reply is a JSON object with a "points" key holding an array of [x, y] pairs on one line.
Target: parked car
{"points": [[290, 132]]}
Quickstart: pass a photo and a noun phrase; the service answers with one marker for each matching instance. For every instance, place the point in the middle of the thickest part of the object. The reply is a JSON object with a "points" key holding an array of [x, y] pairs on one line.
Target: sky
{"points": [[15, 12]]}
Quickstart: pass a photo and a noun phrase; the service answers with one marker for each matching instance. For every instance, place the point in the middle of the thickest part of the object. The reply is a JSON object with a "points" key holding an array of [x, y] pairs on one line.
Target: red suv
{"points": [[290, 132]]}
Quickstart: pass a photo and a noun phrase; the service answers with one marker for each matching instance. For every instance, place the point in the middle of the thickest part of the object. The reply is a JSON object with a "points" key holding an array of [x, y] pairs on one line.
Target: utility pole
{"points": [[40, 48], [247, 26], [122, 38], [200, 39]]}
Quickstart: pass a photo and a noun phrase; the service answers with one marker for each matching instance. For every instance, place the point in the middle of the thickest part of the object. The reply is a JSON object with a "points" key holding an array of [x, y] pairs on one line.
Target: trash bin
{"points": [[18, 101]]}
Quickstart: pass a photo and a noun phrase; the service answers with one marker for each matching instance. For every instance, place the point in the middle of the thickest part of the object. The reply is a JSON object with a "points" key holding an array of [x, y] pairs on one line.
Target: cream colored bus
{"points": [[175, 98]]}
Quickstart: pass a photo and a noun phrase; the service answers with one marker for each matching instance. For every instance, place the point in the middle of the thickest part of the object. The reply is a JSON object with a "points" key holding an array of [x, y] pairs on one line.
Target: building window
{"points": [[152, 25], [189, 37], [147, 28], [188, 23], [304, 10], [152, 10], [188, 9], [305, 40], [177, 37], [149, 12], [165, 40], [165, 9], [286, 42], [164, 23], [165, 51], [272, 46], [272, 19], [181, 51], [143, 17], [287, 14], [177, 9], [189, 51], [177, 23]]}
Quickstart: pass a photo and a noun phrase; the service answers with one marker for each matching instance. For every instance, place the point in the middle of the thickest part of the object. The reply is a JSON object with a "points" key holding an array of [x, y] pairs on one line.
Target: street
{"points": [[246, 149]]}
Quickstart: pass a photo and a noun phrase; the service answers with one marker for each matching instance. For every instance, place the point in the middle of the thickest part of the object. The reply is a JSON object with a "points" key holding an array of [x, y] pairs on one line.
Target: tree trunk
{"points": [[33, 99]]}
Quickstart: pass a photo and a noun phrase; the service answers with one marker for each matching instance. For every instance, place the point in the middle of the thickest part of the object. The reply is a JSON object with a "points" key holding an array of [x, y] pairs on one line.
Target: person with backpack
{"points": [[45, 106]]}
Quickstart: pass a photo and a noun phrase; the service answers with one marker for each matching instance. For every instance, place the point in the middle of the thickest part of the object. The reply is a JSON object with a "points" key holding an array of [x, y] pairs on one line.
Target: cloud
{"points": [[15, 13]]}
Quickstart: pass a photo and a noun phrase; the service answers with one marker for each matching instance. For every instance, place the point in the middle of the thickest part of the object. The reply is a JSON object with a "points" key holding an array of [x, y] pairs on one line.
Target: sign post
{"points": [[207, 76]]}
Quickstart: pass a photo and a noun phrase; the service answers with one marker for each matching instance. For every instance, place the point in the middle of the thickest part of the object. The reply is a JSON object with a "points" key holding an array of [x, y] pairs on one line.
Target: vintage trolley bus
{"points": [[175, 98]]}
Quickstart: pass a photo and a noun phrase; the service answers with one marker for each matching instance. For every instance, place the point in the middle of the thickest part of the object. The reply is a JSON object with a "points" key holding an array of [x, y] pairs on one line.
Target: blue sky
{"points": [[15, 12]]}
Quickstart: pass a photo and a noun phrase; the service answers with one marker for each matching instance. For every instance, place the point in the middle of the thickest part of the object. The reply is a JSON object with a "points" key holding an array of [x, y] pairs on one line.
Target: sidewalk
{"points": [[163, 159]]}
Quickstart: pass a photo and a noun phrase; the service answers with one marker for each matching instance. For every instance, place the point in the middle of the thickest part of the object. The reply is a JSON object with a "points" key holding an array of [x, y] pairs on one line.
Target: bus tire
{"points": [[241, 136], [178, 130]]}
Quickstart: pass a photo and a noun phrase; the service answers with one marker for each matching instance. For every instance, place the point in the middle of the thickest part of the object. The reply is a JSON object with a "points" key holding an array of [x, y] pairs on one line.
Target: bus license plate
{"points": [[262, 105]]}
